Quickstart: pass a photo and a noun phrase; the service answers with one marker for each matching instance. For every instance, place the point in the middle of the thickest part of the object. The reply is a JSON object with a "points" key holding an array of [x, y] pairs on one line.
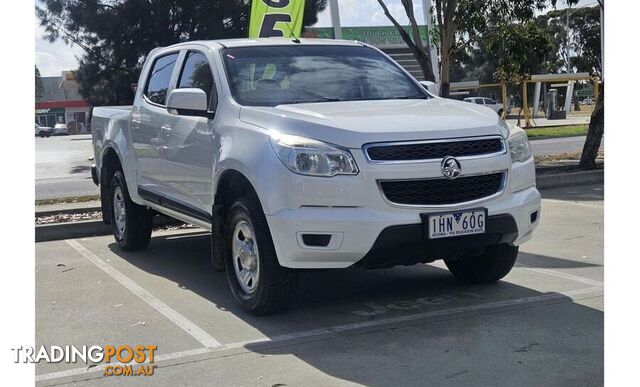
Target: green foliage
{"points": [[584, 37], [476, 62], [38, 83], [521, 50], [118, 34]]}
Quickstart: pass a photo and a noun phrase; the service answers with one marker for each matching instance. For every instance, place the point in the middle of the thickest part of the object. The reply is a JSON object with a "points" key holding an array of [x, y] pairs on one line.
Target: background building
{"points": [[61, 102]]}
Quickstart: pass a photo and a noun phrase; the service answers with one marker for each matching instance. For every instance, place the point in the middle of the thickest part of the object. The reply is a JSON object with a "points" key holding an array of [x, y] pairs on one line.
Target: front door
{"points": [[188, 173]]}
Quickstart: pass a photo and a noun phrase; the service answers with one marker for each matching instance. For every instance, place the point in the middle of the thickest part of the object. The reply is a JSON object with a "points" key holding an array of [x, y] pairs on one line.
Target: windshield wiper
{"points": [[408, 97], [321, 97]]}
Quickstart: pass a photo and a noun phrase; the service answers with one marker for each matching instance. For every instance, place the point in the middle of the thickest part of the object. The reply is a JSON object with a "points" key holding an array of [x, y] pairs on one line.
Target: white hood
{"points": [[354, 123]]}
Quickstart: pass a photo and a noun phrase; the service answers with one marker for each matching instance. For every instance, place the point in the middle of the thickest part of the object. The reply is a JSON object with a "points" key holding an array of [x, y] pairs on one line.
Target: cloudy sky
{"points": [[53, 58]]}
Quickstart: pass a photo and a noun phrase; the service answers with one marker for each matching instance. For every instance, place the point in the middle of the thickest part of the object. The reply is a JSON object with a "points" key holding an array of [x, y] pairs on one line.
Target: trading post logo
{"points": [[121, 360]]}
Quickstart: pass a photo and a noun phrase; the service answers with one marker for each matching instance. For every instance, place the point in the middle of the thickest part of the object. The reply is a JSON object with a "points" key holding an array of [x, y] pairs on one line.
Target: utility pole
{"points": [[427, 10], [567, 46], [335, 19]]}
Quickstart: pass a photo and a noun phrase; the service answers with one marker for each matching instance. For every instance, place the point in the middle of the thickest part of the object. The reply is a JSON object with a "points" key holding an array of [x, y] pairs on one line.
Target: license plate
{"points": [[458, 223]]}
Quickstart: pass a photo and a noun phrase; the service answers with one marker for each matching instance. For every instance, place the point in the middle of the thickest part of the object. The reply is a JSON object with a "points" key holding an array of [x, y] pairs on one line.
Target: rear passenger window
{"points": [[158, 84], [196, 73], [479, 101]]}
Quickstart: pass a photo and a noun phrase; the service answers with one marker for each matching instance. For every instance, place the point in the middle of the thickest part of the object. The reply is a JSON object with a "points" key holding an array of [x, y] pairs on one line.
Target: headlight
{"points": [[519, 145], [311, 157]]}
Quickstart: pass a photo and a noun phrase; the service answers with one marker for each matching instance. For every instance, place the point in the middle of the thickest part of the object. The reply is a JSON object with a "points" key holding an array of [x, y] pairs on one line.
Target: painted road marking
{"points": [[577, 203], [559, 274], [184, 323], [346, 328]]}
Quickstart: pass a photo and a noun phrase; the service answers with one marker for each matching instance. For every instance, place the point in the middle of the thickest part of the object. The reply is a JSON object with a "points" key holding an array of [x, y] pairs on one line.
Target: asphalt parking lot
{"points": [[542, 325], [63, 168]]}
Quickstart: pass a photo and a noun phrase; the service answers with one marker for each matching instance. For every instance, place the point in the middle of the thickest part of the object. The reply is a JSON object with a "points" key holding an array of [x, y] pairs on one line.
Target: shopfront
{"points": [[61, 103], [50, 116]]}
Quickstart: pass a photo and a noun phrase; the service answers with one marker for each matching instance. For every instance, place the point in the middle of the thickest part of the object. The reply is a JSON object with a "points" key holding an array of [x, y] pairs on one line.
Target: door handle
{"points": [[165, 130]]}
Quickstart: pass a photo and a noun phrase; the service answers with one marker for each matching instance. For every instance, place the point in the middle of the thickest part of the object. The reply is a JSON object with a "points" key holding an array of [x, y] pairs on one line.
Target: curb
{"points": [[556, 180], [76, 210], [71, 230], [85, 229]]}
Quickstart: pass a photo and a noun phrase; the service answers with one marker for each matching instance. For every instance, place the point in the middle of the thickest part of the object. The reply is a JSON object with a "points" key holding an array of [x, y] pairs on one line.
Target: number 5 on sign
{"points": [[271, 18]]}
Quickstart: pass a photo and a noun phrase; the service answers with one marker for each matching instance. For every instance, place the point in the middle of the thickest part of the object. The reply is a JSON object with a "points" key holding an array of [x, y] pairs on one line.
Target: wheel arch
{"points": [[231, 185], [110, 162]]}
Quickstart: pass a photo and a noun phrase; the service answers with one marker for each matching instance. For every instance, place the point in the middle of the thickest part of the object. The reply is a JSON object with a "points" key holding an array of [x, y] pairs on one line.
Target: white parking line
{"points": [[583, 204], [558, 274], [344, 328], [184, 323]]}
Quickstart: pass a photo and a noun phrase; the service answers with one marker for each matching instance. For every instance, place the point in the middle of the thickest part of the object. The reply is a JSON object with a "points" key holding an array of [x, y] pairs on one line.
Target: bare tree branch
{"points": [[418, 52]]}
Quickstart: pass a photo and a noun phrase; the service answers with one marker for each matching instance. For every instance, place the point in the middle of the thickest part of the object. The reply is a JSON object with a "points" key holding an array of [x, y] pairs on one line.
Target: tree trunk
{"points": [[445, 84], [447, 46], [594, 135]]}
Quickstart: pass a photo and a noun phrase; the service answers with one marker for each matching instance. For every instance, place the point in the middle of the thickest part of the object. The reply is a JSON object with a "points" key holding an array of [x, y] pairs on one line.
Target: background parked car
{"points": [[60, 129], [43, 131], [488, 102]]}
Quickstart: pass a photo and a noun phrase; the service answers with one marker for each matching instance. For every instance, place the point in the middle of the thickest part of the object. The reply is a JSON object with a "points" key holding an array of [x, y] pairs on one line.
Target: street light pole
{"points": [[335, 19], [567, 47], [427, 10]]}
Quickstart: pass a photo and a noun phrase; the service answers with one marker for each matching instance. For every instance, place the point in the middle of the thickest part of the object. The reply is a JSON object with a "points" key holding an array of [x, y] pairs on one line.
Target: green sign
{"points": [[385, 37], [271, 18]]}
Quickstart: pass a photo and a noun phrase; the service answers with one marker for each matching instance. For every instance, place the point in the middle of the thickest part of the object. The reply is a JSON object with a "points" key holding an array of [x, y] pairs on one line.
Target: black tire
{"points": [[137, 219], [490, 265], [500, 112], [275, 284]]}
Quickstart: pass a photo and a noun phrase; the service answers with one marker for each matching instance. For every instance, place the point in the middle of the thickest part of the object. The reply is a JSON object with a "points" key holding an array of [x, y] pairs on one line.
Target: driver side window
{"points": [[196, 73]]}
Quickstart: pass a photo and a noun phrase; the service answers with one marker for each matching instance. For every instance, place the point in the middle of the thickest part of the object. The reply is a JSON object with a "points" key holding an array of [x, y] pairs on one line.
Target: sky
{"points": [[53, 58]]}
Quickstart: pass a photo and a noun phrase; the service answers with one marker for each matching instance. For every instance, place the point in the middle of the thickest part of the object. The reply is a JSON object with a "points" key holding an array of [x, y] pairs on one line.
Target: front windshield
{"points": [[278, 75]]}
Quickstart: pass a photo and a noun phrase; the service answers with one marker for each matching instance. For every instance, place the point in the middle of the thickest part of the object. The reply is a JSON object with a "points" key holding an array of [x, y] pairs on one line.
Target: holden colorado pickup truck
{"points": [[312, 154]]}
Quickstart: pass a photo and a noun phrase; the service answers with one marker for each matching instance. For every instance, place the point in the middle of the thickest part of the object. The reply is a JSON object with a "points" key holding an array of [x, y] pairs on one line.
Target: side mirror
{"points": [[431, 87], [187, 102]]}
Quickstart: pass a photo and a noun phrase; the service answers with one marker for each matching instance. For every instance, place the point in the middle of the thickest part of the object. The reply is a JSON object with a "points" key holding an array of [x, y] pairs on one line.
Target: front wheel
{"points": [[131, 223], [258, 282], [491, 265]]}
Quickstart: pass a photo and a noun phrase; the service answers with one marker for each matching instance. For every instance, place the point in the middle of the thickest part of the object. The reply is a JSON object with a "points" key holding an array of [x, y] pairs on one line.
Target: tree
{"points": [[462, 23], [414, 42], [520, 49], [596, 126], [116, 35], [585, 24], [584, 38], [38, 83]]}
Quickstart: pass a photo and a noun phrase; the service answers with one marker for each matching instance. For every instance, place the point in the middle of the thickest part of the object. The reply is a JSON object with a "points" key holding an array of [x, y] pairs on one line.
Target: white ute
{"points": [[312, 154]]}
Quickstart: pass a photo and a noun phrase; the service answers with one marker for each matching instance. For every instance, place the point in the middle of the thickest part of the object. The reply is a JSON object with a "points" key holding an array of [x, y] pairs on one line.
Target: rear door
{"points": [[149, 122], [188, 173]]}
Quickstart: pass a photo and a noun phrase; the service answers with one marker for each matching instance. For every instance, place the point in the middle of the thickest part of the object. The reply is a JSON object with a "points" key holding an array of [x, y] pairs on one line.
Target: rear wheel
{"points": [[491, 265], [131, 223], [258, 282]]}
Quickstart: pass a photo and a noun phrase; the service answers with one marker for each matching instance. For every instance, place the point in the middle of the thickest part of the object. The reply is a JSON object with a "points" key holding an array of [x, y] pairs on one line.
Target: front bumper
{"points": [[407, 245], [355, 230]]}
